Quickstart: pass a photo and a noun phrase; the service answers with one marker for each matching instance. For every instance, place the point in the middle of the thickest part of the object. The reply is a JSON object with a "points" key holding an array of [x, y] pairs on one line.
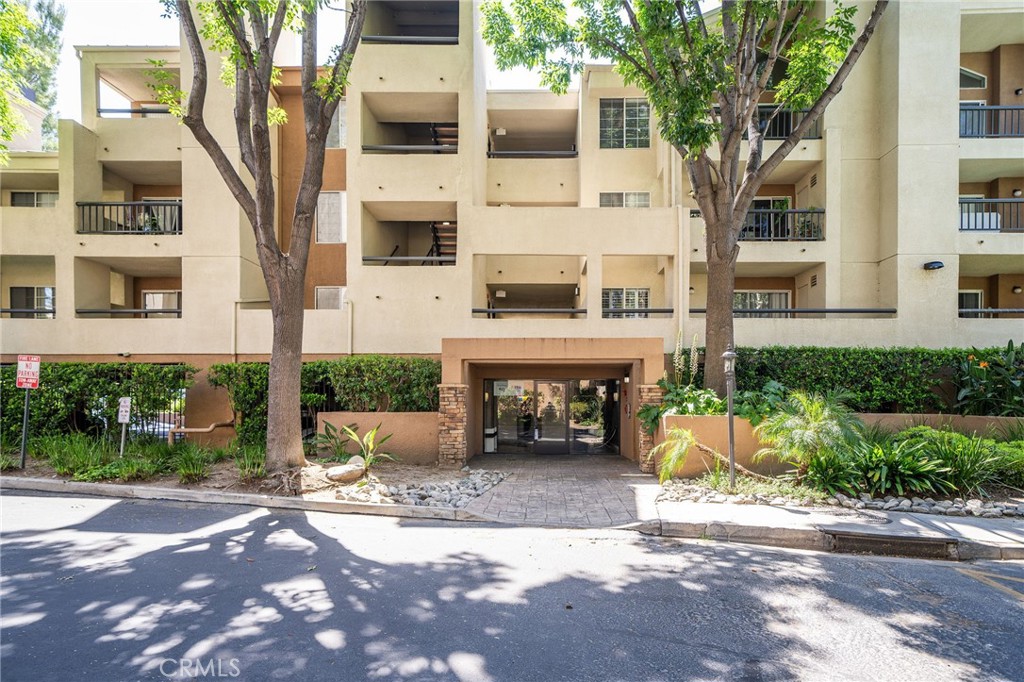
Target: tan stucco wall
{"points": [[413, 434]]}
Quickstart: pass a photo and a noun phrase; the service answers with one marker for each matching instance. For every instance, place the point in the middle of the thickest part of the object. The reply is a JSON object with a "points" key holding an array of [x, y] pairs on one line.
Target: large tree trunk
{"points": [[284, 427], [718, 332]]}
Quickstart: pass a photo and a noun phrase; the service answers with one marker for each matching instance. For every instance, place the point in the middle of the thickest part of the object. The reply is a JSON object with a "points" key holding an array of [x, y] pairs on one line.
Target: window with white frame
{"points": [[329, 298], [168, 302], [972, 79], [337, 136], [970, 299], [760, 300], [613, 299], [330, 218], [625, 123], [625, 200], [33, 298], [34, 199]]}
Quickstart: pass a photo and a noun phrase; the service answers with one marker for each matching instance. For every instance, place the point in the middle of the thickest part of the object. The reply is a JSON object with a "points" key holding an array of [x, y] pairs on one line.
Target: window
{"points": [[763, 221], [972, 79], [625, 123], [330, 298], [969, 299], [337, 136], [34, 199], [33, 298], [330, 218], [760, 300], [624, 299], [625, 199], [162, 300]]}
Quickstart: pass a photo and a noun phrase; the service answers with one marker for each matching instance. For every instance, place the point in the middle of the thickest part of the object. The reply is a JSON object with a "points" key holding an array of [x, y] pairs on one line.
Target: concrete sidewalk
{"points": [[862, 531]]}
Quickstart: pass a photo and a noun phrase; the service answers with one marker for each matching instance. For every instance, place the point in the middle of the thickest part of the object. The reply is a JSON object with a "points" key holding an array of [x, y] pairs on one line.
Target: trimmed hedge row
{"points": [[82, 396], [360, 383]]}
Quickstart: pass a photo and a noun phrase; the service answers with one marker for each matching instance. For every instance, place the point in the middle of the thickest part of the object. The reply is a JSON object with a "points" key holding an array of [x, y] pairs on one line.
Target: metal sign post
{"points": [[124, 412], [28, 379]]}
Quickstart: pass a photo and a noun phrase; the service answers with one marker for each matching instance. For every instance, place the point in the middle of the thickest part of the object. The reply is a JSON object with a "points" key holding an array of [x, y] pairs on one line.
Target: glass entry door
{"points": [[552, 436]]}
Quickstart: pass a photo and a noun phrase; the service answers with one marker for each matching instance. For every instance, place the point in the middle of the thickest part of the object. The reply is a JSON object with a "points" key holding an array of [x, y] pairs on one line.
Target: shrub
{"points": [[191, 463], [1009, 467], [898, 468], [8, 462], [832, 471], [252, 462], [991, 382], [680, 399], [755, 406], [77, 396], [673, 451], [75, 453], [805, 426], [971, 461]]}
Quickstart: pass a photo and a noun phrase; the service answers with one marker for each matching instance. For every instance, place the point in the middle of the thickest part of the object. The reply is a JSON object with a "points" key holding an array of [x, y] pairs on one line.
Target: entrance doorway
{"points": [[551, 417]]}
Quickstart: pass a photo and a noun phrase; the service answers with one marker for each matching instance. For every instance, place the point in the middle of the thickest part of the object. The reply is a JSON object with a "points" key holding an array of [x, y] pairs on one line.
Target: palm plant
{"points": [[673, 451], [806, 425]]}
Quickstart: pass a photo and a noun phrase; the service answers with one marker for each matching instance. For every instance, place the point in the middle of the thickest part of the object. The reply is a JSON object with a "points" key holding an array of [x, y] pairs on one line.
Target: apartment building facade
{"points": [[544, 247]]}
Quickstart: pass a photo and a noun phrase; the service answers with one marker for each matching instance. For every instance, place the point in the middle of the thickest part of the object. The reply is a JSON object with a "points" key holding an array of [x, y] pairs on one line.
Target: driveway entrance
{"points": [[593, 491]]}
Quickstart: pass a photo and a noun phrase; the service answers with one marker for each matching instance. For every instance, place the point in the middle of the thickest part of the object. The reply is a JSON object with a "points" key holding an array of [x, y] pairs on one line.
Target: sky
{"points": [[139, 22]]}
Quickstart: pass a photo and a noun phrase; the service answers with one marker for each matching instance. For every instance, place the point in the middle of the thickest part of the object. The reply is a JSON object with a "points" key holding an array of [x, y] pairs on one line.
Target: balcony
{"points": [[992, 215], [781, 225], [991, 121], [129, 217], [426, 22], [521, 286]]}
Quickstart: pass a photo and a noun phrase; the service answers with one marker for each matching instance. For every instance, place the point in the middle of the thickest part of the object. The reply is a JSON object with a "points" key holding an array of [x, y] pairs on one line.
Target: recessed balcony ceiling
{"points": [[760, 269], [403, 211], [986, 30], [412, 107], [991, 264], [147, 172], [141, 266]]}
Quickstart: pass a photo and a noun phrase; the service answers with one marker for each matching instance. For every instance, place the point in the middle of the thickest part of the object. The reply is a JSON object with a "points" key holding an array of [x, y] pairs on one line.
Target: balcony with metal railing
{"points": [[780, 225], [992, 215], [986, 121], [129, 217]]}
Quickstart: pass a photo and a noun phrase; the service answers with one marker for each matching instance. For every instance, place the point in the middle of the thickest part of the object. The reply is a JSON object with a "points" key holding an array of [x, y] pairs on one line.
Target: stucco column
{"points": [[647, 394], [451, 425]]}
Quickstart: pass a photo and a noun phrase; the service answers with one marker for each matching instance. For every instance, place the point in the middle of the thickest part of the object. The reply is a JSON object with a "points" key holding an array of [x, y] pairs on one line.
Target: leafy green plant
{"points": [[718, 479], [673, 451], [1009, 468], [335, 441], [832, 471], [898, 468], [971, 461], [252, 462], [191, 463], [754, 406], [991, 382], [69, 455], [369, 446], [7, 462], [876, 433], [805, 426], [650, 417]]}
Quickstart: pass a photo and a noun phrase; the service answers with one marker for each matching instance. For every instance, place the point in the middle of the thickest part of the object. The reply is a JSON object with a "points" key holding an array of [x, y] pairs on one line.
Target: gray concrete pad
{"points": [[576, 491]]}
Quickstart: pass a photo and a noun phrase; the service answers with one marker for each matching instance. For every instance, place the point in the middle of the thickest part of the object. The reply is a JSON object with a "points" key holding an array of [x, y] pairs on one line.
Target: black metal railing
{"points": [[992, 215], [412, 148], [991, 121], [990, 313], [633, 313], [490, 312], [537, 154], [158, 112], [779, 225], [144, 313], [795, 312], [422, 260], [129, 217], [29, 313], [411, 40]]}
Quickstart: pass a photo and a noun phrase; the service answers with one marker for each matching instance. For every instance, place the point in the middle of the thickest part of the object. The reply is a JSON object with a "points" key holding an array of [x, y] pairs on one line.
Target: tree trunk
{"points": [[718, 332], [284, 425]]}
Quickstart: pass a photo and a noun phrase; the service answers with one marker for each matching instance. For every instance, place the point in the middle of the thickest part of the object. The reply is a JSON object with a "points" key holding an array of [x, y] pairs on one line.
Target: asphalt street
{"points": [[110, 589]]}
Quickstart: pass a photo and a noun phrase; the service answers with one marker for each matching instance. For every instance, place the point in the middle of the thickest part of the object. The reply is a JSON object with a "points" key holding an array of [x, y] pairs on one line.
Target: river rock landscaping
{"points": [[454, 493]]}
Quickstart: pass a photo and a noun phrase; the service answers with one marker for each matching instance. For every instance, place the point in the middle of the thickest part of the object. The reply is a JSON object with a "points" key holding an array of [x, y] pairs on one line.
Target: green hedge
{"points": [[76, 396], [360, 383], [880, 379]]}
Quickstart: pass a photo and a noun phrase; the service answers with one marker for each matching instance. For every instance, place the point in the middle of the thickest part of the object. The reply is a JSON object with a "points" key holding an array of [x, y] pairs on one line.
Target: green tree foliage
{"points": [[14, 25], [704, 76], [42, 57]]}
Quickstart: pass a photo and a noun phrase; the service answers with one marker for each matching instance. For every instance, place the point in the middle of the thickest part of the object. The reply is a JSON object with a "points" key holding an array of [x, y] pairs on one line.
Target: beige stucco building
{"points": [[544, 247]]}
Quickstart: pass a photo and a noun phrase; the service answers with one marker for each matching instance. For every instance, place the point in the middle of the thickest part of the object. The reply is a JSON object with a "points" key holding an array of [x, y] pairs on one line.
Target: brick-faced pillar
{"points": [[648, 394], [451, 425]]}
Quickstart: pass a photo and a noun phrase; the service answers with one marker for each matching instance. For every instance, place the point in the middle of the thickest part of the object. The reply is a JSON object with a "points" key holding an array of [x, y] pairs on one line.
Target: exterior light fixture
{"points": [[692, 291], [1017, 289], [1017, 193], [934, 265], [500, 131], [1019, 92], [500, 293], [625, 379], [729, 360]]}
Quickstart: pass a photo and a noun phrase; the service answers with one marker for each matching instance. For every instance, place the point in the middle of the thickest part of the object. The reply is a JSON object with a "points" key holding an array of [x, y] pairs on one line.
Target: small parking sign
{"points": [[124, 410], [28, 371]]}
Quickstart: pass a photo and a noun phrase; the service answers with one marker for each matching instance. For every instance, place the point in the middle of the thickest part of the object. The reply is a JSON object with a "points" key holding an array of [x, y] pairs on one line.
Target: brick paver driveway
{"points": [[566, 490]]}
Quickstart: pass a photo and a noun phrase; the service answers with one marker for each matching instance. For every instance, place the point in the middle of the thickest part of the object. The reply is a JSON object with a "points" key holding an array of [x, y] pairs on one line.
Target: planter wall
{"points": [[414, 439], [713, 431]]}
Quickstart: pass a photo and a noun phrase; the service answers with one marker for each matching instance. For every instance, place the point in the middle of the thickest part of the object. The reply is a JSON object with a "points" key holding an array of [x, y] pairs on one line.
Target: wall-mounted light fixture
{"points": [[1017, 192], [577, 292], [1019, 92], [500, 131], [934, 265], [692, 291], [625, 379], [1017, 289], [500, 293]]}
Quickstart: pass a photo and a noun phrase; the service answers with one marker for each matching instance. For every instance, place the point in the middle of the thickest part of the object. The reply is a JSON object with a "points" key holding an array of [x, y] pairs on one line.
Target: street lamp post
{"points": [[729, 358]]}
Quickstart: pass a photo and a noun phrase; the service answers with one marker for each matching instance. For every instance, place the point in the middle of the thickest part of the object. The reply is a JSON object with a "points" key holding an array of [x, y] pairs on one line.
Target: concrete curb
{"points": [[246, 499]]}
